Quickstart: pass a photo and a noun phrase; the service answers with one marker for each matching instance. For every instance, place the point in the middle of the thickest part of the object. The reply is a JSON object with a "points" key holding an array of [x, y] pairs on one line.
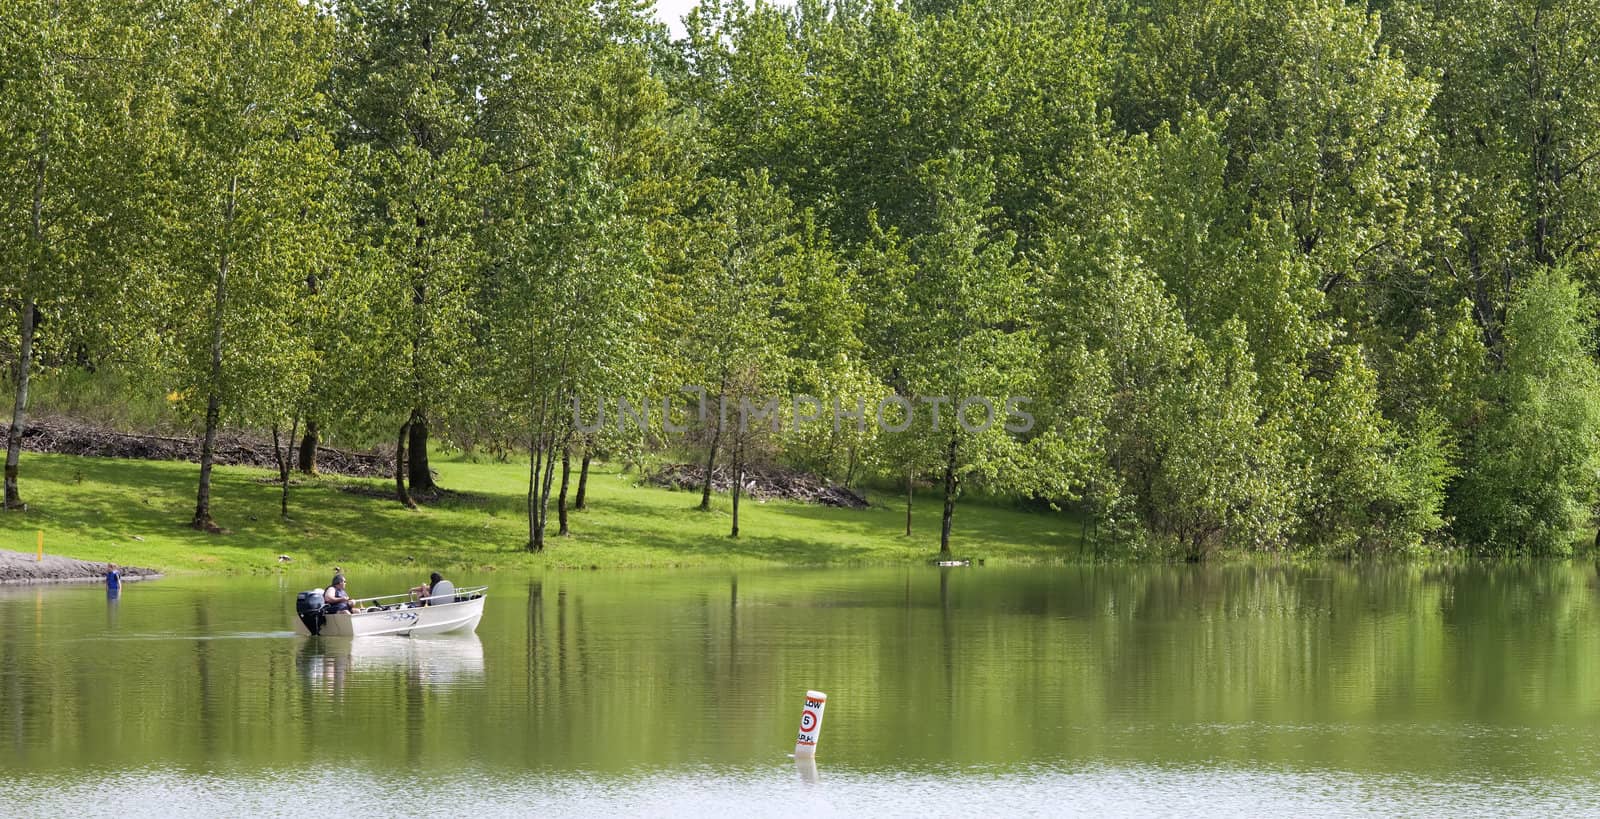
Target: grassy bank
{"points": [[134, 513]]}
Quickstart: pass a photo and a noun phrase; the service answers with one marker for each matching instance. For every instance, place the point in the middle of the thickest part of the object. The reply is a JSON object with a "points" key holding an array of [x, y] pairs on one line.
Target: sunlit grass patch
{"points": [[136, 513]]}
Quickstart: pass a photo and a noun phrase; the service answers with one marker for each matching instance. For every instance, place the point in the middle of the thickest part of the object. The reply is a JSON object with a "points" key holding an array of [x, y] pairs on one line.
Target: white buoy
{"points": [[810, 724]]}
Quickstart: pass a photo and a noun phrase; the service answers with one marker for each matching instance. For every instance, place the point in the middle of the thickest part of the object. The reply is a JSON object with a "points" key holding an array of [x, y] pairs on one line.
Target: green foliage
{"points": [[1277, 275], [109, 397], [844, 102], [1532, 479], [247, 205], [78, 139], [747, 247]]}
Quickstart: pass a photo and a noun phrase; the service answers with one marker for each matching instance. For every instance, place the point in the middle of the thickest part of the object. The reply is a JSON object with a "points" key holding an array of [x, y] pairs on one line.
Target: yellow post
{"points": [[40, 556]]}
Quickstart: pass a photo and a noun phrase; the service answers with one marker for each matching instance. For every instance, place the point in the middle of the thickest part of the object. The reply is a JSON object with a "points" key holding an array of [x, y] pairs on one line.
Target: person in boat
{"points": [[425, 590], [336, 599]]}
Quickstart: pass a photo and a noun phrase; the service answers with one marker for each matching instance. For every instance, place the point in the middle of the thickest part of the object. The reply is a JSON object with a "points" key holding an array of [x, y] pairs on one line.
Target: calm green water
{"points": [[963, 692]]}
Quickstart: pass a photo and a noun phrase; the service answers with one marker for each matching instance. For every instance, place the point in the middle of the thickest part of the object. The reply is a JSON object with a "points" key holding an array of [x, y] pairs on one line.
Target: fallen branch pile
{"points": [[761, 483], [65, 437]]}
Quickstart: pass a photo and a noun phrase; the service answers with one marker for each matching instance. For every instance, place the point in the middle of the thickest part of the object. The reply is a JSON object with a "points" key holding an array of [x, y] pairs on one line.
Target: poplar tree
{"points": [[970, 347], [81, 117], [252, 169]]}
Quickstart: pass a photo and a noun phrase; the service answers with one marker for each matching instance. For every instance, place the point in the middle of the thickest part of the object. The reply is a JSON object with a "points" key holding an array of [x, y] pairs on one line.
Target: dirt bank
{"points": [[20, 567]]}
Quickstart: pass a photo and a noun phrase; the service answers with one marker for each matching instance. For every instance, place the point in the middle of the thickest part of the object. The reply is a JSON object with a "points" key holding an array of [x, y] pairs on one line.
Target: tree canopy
{"points": [[1276, 275]]}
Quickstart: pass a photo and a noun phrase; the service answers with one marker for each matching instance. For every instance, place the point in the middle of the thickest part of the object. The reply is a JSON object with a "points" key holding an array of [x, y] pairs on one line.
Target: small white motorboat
{"points": [[447, 610]]}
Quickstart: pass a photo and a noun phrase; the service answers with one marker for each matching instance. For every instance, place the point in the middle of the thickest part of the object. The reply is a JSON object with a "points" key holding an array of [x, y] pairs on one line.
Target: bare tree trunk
{"points": [[1546, 164], [283, 466], [539, 466], [566, 478], [582, 501], [282, 458], [544, 493], [19, 409], [535, 463], [545, 443], [202, 506], [908, 501], [29, 321], [308, 448], [949, 498], [711, 457], [400, 493], [711, 462], [294, 429], [737, 470], [421, 474]]}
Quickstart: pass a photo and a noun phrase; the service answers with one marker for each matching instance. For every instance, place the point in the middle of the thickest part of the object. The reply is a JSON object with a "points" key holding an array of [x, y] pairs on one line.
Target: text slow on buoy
{"points": [[810, 724]]}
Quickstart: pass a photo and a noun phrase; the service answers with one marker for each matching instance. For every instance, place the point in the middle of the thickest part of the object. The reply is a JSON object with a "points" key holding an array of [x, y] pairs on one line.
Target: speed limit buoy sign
{"points": [[810, 724]]}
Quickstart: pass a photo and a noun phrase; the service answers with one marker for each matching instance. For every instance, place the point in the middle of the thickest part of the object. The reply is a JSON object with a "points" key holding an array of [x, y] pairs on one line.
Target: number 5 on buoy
{"points": [[810, 724]]}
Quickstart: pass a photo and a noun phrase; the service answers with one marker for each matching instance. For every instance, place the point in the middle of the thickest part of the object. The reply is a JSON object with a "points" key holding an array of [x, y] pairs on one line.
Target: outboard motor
{"points": [[308, 605]]}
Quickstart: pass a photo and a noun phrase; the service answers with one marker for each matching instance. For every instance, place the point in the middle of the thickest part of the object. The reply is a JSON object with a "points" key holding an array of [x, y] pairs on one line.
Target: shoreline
{"points": [[136, 513], [20, 568]]}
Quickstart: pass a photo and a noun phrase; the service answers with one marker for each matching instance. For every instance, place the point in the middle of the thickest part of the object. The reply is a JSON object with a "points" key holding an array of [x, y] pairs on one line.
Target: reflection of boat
{"points": [[436, 660], [449, 609], [441, 659]]}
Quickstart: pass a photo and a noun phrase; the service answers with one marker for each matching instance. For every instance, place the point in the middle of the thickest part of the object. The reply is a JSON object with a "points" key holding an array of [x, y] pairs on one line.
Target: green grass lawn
{"points": [[136, 513]]}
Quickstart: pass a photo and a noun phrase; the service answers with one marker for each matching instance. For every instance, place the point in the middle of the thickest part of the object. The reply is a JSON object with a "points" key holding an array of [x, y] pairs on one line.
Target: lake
{"points": [[951, 692]]}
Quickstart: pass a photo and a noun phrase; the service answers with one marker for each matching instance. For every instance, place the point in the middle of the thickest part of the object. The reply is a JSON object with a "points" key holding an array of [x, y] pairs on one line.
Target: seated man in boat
{"points": [[426, 590], [336, 599]]}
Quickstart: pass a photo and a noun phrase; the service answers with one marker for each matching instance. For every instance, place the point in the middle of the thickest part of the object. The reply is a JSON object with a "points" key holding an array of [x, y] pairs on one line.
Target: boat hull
{"points": [[437, 619]]}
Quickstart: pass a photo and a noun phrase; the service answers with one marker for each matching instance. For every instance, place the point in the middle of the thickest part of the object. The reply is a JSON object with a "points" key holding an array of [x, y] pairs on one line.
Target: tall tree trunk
{"points": [[202, 505], [282, 458], [716, 437], [908, 501], [308, 448], [545, 443], [566, 478], [29, 321], [949, 498], [535, 465], [582, 501], [283, 466], [540, 465], [1545, 158], [737, 470], [711, 462], [400, 493], [294, 429], [19, 409], [421, 474], [544, 492]]}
